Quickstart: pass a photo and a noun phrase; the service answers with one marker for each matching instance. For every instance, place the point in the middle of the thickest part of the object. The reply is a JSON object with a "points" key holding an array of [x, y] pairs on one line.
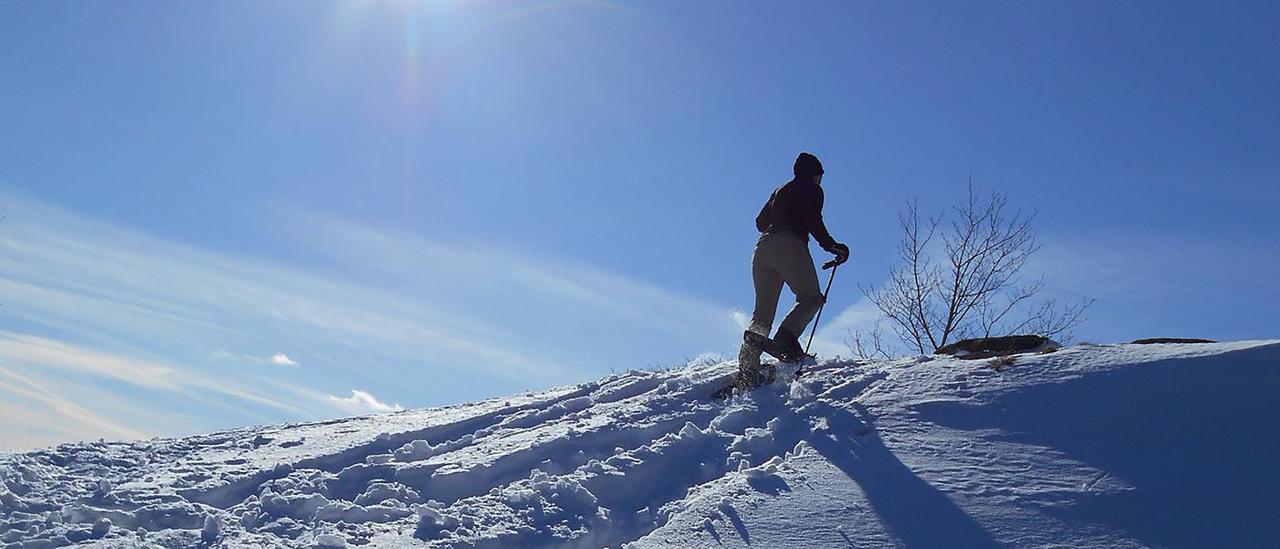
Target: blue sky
{"points": [[233, 213]]}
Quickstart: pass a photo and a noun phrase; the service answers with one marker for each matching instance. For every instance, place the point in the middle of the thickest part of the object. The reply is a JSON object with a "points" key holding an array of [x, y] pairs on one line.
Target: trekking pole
{"points": [[833, 266]]}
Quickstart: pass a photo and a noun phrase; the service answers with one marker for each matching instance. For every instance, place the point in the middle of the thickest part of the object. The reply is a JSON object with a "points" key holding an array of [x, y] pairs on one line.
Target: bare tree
{"points": [[870, 345], [973, 290]]}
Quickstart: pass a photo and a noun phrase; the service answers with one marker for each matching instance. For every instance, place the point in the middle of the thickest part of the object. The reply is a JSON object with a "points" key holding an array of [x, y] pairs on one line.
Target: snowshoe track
{"points": [[633, 444]]}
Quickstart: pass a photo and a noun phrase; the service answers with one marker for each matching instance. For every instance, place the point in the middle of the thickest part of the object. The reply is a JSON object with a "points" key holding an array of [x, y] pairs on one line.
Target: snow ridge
{"points": [[919, 451]]}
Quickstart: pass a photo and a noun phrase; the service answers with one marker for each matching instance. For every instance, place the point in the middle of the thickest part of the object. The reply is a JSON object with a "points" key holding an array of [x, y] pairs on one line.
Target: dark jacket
{"points": [[796, 207]]}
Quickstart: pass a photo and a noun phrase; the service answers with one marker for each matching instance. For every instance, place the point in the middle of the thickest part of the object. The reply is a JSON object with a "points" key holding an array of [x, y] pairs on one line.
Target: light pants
{"points": [[781, 257]]}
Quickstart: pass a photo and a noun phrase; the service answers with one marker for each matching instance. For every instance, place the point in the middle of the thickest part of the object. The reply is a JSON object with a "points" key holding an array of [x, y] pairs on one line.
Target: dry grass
{"points": [[999, 363]]}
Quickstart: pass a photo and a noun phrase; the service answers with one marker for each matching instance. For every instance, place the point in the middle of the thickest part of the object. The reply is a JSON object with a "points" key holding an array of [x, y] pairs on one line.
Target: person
{"points": [[792, 214]]}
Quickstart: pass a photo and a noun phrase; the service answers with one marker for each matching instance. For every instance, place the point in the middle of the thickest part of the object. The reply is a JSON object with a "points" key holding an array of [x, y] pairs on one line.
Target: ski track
{"points": [[640, 458]]}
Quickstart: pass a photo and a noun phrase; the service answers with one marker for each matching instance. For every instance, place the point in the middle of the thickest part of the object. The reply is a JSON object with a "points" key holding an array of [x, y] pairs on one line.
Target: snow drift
{"points": [[1103, 446]]}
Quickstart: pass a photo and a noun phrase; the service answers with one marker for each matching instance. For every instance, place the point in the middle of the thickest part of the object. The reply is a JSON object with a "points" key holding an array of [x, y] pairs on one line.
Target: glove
{"points": [[841, 252]]}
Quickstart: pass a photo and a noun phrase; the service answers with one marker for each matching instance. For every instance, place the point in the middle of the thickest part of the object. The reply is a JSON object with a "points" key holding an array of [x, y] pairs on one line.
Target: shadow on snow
{"points": [[915, 512], [1194, 438]]}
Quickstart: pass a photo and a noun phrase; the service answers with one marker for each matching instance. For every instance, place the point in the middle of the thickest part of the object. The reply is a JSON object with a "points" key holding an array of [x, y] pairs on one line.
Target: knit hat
{"points": [[807, 165]]}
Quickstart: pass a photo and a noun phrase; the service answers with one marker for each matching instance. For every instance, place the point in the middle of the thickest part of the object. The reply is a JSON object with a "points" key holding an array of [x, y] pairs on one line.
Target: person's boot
{"points": [[790, 344], [749, 367]]}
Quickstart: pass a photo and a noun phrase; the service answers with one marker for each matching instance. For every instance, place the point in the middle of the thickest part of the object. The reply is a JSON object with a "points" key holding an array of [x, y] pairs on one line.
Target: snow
{"points": [[1089, 446]]}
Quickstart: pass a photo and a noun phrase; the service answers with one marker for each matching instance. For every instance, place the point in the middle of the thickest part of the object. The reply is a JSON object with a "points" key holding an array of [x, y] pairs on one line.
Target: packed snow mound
{"points": [[1093, 446]]}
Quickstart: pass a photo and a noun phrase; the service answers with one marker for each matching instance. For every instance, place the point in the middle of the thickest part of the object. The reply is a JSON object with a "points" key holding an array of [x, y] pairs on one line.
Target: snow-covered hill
{"points": [[1103, 446]]}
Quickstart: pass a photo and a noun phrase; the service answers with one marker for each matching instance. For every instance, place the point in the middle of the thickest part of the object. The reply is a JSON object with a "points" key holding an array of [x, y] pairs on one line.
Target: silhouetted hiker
{"points": [[793, 212]]}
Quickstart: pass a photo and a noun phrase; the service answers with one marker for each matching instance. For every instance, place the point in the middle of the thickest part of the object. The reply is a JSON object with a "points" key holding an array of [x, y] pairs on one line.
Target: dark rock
{"points": [[78, 535], [1149, 341], [101, 528], [987, 347], [161, 516]]}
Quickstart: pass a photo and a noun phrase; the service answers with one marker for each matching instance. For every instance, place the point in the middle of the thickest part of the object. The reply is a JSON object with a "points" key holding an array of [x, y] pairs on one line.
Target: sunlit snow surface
{"points": [[1102, 446]]}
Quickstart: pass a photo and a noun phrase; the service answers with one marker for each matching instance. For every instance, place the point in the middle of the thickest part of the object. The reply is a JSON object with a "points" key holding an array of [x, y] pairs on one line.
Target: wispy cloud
{"points": [[283, 360], [545, 303], [405, 317], [53, 354], [41, 354], [29, 404], [362, 402]]}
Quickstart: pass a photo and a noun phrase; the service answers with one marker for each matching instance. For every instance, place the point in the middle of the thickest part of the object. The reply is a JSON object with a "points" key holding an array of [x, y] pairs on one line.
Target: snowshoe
{"points": [[779, 350], [751, 372], [748, 379]]}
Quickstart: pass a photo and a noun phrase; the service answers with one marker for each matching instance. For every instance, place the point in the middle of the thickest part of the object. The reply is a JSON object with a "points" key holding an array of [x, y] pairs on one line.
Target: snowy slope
{"points": [[1102, 446]]}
